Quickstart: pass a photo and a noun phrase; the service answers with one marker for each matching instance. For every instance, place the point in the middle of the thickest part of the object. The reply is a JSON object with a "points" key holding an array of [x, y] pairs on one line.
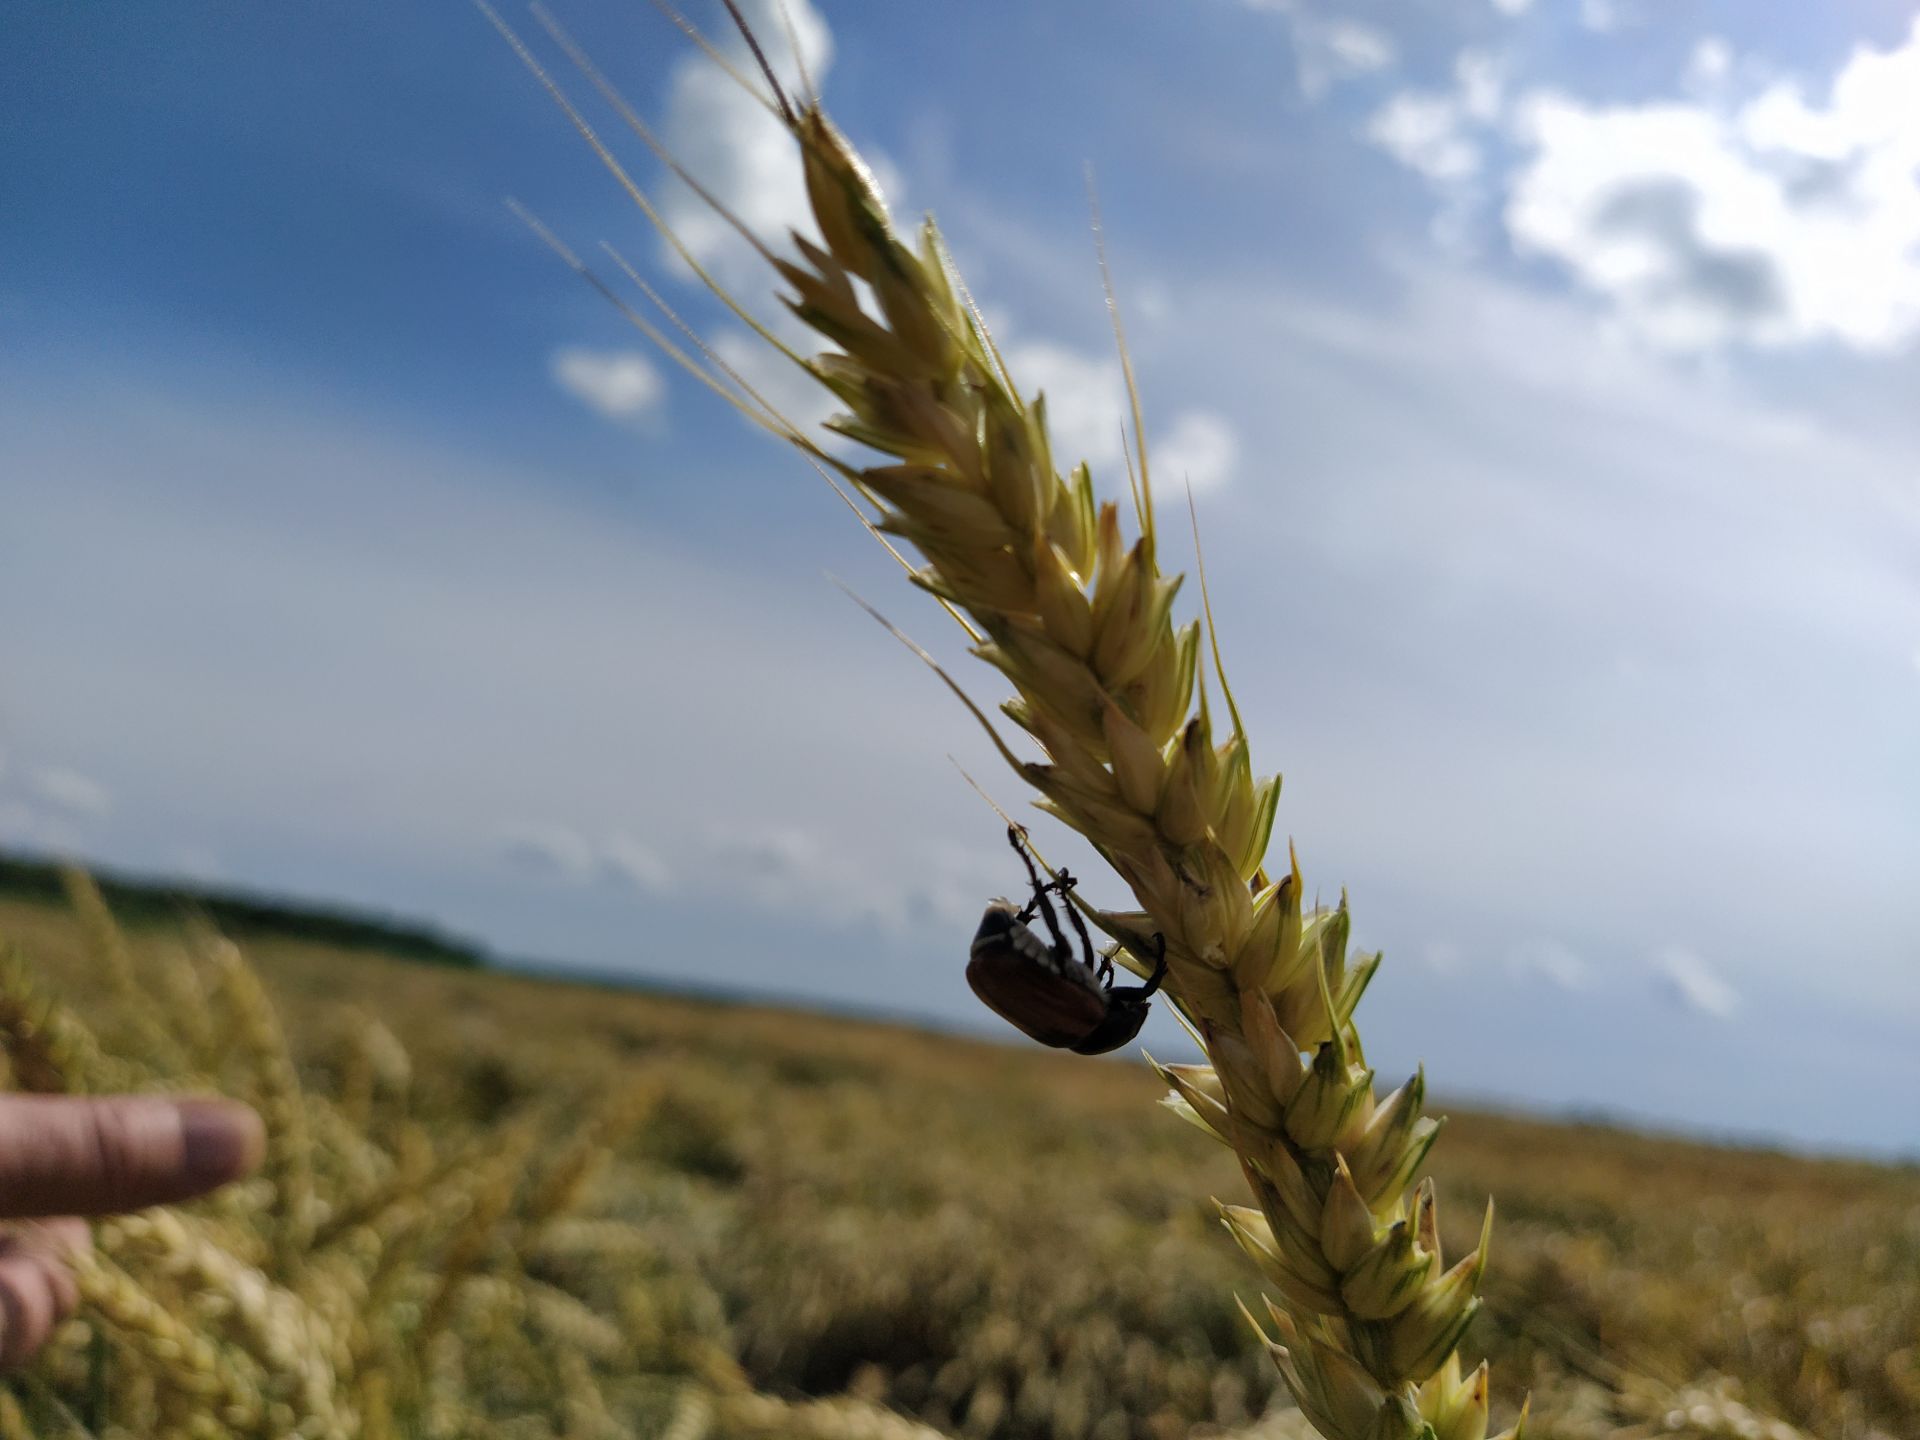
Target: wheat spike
{"points": [[271, 1324], [556, 1190], [274, 1086], [199, 1384], [1079, 619], [488, 1198], [839, 1418], [376, 1067], [134, 998], [49, 1049]]}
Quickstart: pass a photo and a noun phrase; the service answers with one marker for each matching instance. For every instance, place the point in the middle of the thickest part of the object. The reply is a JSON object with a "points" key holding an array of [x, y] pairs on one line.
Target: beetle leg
{"points": [[1014, 836], [1066, 882], [1159, 967], [1038, 905], [1139, 994]]}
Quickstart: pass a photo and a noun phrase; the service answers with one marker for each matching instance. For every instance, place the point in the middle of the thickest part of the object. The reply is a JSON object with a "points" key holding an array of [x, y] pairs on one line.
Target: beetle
{"points": [[1047, 992]]}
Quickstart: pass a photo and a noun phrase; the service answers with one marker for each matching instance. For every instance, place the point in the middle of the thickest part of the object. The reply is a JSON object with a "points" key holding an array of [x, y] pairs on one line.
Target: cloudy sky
{"points": [[1544, 373]]}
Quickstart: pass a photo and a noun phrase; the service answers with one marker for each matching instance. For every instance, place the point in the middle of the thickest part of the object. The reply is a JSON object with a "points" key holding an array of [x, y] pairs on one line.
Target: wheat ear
{"points": [[256, 1034], [1080, 621]]}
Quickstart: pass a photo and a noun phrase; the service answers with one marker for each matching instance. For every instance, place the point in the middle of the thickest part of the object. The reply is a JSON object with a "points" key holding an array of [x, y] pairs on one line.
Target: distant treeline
{"points": [[240, 915]]}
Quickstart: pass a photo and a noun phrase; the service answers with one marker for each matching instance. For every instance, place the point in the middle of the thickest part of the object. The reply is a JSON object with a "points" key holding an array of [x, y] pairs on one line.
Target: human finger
{"points": [[37, 1289], [73, 1155]]}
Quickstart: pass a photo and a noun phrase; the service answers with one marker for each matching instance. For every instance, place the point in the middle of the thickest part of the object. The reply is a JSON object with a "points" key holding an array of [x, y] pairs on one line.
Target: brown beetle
{"points": [[1061, 999]]}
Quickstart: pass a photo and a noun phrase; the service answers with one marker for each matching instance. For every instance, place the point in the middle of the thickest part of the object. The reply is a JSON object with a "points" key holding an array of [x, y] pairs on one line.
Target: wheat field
{"points": [[506, 1206]]}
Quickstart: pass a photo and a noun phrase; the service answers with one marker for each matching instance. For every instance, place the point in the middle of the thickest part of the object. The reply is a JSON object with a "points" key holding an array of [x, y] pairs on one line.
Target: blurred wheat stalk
{"points": [[378, 1278], [1079, 618]]}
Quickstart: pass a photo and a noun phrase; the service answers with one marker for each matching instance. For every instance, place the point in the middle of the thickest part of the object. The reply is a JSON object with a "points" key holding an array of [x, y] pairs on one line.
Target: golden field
{"points": [[805, 1225]]}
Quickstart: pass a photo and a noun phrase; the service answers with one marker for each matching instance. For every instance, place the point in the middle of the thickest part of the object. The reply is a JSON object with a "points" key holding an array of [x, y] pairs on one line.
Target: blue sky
{"points": [[1544, 373]]}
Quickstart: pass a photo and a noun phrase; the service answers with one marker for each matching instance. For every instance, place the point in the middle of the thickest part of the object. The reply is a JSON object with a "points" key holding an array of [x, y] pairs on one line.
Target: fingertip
{"points": [[63, 1286], [221, 1140], [31, 1305], [65, 1235], [97, 1155]]}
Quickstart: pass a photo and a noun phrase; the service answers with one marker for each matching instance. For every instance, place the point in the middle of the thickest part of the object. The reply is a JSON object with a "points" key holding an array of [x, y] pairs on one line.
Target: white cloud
{"points": [[1482, 80], [1086, 406], [777, 865], [620, 384], [787, 867], [548, 851], [1359, 48], [777, 381], [1513, 7], [1427, 132], [1329, 51], [1692, 982], [1710, 63], [1088, 419], [1200, 449], [1700, 220], [738, 150], [639, 865], [1441, 133], [1655, 208], [743, 155], [1602, 17], [799, 870], [1551, 961], [70, 792]]}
